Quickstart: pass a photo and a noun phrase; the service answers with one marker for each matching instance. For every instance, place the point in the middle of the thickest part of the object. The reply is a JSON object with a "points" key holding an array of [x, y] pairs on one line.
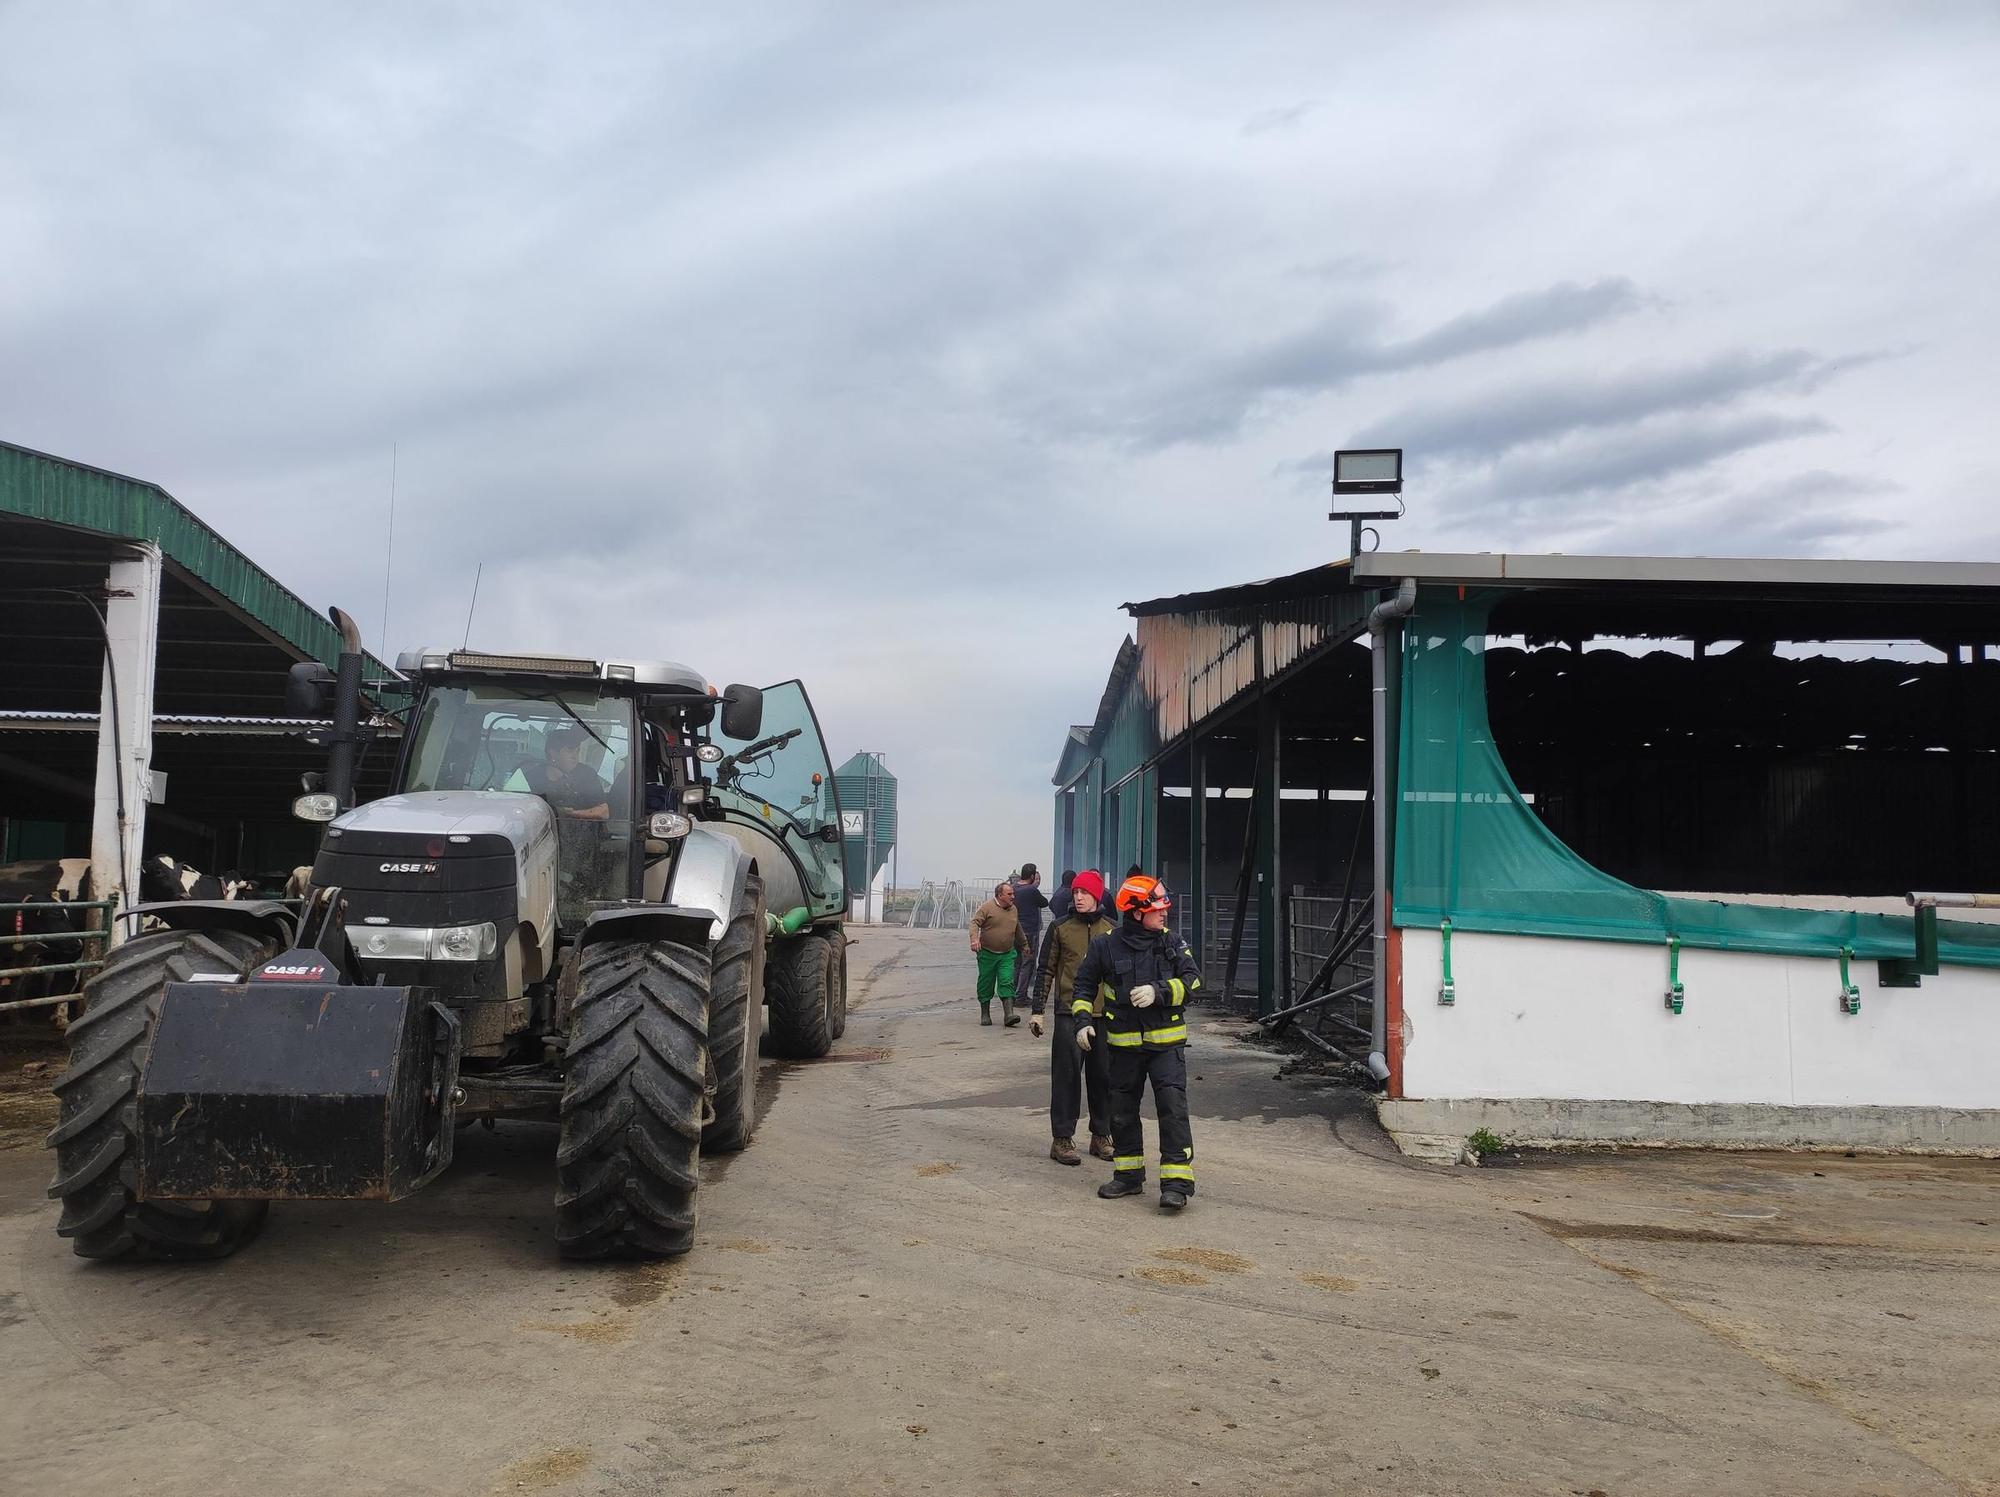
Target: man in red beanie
{"points": [[1062, 953]]}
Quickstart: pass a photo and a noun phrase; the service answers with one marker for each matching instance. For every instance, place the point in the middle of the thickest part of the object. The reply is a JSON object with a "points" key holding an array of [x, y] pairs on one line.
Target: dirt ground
{"points": [[895, 1291]]}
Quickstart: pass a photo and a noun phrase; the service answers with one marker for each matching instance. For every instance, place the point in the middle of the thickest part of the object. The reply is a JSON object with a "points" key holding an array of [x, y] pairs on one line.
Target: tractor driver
{"points": [[566, 783]]}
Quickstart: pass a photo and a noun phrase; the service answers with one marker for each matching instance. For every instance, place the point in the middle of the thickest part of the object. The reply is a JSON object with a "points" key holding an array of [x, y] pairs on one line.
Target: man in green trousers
{"points": [[1000, 945]]}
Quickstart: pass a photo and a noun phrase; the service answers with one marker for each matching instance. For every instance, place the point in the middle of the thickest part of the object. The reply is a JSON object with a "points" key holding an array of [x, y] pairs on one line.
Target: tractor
{"points": [[598, 890]]}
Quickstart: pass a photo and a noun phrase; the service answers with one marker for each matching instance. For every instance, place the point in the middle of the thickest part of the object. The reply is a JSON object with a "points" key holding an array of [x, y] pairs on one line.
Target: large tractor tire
{"points": [[96, 1134], [801, 983], [628, 1162], [736, 1021]]}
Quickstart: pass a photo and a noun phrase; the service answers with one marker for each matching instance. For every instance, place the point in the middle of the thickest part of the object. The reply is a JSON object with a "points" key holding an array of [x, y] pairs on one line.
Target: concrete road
{"points": [[895, 1291]]}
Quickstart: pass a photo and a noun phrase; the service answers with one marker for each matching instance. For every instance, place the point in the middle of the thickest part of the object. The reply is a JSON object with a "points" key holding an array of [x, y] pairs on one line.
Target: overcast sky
{"points": [[895, 346]]}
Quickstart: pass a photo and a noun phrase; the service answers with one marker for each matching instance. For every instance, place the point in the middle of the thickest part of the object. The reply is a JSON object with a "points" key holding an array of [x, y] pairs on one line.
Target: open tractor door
{"points": [[590, 882]]}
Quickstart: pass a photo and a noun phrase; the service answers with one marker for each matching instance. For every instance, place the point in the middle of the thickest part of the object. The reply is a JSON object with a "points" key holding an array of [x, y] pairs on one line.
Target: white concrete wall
{"points": [[1542, 1017]]}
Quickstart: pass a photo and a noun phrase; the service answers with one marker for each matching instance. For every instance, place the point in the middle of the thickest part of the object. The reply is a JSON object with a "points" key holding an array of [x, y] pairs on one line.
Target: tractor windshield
{"points": [[569, 746]]}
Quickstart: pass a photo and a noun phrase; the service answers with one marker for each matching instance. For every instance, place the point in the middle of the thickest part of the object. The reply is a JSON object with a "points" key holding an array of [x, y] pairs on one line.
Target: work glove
{"points": [[1142, 995], [1085, 1035], [1035, 1025]]}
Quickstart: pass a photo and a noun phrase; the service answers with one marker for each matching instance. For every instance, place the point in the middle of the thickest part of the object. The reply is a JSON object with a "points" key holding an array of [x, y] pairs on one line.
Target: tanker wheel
{"points": [[735, 1020], [801, 983], [97, 1130], [628, 1160]]}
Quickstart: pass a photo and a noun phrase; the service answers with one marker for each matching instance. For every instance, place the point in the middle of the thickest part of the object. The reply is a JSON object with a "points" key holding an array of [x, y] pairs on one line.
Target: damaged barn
{"points": [[1658, 853]]}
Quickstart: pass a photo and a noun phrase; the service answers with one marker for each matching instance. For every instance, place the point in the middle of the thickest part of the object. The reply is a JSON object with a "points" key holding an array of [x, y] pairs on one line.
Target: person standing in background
{"points": [[1059, 901], [1074, 1072], [1029, 902], [999, 945]]}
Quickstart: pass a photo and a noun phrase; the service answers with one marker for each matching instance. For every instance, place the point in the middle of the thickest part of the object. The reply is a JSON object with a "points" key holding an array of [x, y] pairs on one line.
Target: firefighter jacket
{"points": [[1130, 957], [1062, 953]]}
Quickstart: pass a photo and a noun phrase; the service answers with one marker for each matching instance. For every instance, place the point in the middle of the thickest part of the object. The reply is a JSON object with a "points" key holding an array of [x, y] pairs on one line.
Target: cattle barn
{"points": [[143, 661], [1583, 848]]}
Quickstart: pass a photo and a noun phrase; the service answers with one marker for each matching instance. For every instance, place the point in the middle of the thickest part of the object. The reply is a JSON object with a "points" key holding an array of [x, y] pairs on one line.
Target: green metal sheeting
{"points": [[36, 486]]}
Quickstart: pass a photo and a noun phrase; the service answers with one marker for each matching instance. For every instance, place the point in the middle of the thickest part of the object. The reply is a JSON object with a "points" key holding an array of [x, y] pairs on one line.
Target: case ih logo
{"points": [[293, 972], [408, 868]]}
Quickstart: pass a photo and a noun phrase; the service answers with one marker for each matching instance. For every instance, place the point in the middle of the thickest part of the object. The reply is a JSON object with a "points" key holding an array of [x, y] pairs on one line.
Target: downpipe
{"points": [[1385, 616], [346, 712]]}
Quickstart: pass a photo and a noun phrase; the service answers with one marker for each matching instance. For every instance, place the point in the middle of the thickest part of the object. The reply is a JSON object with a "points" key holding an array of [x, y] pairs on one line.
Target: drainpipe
{"points": [[1381, 618]]}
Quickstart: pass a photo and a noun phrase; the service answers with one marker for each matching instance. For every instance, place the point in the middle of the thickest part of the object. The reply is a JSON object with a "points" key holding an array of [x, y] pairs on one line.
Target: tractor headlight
{"points": [[666, 826], [462, 943], [317, 807], [709, 753]]}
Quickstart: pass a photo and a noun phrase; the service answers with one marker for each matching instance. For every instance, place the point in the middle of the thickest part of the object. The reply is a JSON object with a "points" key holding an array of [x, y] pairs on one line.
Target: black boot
{"points": [[1171, 1199], [1120, 1185], [986, 1014]]}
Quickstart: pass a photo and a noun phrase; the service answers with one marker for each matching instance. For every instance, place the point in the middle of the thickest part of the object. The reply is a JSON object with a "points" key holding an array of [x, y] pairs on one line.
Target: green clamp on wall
{"points": [[1447, 992], [1850, 995], [1676, 994]]}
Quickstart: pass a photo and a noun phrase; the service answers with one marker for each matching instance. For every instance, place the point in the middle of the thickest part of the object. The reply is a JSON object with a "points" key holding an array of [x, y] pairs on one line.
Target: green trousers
{"points": [[996, 971]]}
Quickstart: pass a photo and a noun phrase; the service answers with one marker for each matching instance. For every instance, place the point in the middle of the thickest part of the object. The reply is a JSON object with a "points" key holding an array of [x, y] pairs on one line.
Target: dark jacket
{"points": [[1063, 951], [1130, 957], [1030, 901], [1059, 903]]}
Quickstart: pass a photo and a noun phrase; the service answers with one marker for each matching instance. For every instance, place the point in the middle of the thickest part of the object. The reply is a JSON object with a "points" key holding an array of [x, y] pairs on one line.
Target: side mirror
{"points": [[309, 690], [828, 833], [742, 712]]}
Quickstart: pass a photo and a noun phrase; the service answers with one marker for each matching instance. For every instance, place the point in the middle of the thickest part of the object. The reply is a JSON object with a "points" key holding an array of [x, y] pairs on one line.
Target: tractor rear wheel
{"points": [[628, 1161], [97, 1130], [735, 1020], [801, 983]]}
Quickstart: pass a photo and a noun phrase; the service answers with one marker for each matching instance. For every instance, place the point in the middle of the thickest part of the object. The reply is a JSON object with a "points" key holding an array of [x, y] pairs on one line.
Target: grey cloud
{"points": [[1551, 484], [1813, 513], [1211, 403], [1490, 422], [1285, 117]]}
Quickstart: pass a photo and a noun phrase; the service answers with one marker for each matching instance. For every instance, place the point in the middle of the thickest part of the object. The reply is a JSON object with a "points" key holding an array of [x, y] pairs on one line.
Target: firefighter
{"points": [[1149, 973], [1074, 1074]]}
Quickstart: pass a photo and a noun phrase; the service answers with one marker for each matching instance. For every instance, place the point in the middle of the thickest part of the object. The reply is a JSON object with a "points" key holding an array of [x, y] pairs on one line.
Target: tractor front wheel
{"points": [[97, 1130], [628, 1163]]}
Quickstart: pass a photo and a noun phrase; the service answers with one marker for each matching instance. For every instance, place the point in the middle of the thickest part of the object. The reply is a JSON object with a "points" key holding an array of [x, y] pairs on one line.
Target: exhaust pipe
{"points": [[346, 712]]}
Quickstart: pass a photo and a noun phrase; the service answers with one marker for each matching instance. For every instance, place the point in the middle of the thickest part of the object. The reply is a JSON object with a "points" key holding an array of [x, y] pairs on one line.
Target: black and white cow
{"points": [[49, 884], [163, 879]]}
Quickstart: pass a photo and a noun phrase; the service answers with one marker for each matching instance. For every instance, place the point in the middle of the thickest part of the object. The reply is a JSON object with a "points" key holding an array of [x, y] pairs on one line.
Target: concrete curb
{"points": [[1436, 1129]]}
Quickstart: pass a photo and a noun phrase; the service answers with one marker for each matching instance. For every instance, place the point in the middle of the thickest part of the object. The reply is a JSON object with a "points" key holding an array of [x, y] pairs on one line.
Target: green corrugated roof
{"points": [[36, 486]]}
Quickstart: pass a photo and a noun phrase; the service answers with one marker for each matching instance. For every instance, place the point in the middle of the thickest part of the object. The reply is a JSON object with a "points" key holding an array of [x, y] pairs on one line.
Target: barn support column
{"points": [[125, 726], [1271, 910], [1193, 924]]}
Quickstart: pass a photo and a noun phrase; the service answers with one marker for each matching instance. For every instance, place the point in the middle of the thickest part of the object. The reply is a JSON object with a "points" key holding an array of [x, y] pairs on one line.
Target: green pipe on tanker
{"points": [[788, 924]]}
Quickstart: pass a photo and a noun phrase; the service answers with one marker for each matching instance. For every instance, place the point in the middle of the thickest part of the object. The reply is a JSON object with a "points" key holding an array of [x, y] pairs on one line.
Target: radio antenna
{"points": [[467, 641]]}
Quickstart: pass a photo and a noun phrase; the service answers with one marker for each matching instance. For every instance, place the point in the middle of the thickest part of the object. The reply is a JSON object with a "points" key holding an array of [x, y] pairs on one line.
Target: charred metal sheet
{"points": [[296, 1090]]}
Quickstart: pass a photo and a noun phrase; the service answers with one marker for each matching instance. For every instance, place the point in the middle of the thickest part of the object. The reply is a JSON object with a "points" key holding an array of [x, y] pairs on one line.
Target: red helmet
{"points": [[1141, 894]]}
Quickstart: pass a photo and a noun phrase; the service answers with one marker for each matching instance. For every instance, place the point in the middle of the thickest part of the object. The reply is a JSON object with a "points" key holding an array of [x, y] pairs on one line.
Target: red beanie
{"points": [[1090, 882]]}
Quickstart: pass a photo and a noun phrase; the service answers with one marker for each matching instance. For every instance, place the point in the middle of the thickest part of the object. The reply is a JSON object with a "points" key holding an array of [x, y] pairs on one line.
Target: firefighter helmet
{"points": [[1140, 894]]}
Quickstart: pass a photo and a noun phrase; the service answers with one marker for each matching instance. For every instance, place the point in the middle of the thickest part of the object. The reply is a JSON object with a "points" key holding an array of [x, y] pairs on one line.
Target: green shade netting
{"points": [[1469, 848]]}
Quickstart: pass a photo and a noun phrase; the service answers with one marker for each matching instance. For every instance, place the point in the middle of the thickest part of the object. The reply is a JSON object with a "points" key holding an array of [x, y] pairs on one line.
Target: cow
{"points": [[163, 879], [53, 883]]}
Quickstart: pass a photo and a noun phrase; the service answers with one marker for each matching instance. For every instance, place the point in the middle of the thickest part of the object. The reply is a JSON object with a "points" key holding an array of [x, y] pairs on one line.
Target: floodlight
{"points": [[1368, 470]]}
